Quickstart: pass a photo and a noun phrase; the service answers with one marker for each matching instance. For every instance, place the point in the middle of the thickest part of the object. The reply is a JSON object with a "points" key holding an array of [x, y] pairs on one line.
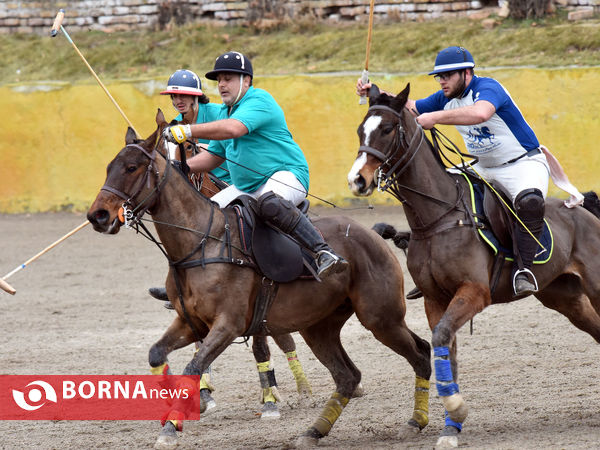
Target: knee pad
{"points": [[530, 205], [278, 211]]}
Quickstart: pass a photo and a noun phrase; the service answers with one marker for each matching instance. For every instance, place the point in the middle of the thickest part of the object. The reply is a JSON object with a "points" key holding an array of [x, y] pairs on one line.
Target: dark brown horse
{"points": [[209, 186], [447, 260], [218, 298]]}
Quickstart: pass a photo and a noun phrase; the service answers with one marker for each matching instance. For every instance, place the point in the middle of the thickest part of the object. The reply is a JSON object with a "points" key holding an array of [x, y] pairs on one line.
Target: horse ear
{"points": [[130, 136], [374, 94], [401, 99], [160, 118]]}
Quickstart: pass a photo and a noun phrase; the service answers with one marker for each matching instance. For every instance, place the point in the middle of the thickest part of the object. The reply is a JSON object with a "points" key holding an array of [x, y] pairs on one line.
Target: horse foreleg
{"points": [[177, 335], [469, 299], [286, 343]]}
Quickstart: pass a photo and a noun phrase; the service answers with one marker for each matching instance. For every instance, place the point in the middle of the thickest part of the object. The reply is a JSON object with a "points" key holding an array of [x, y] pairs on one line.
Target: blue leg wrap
{"points": [[452, 423], [443, 372]]}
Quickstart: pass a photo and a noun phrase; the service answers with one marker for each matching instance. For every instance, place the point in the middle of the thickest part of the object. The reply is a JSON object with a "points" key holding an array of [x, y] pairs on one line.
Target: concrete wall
{"points": [[62, 164]]}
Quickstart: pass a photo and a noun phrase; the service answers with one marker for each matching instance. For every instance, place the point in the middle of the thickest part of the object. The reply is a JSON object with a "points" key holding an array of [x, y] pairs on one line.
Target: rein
{"points": [[388, 178], [133, 219]]}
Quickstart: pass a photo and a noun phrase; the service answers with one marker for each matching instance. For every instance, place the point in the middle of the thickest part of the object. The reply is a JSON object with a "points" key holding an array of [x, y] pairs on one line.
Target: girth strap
{"points": [[264, 299]]}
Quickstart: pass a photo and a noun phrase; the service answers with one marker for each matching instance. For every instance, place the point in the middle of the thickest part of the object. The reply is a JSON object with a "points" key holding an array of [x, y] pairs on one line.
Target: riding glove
{"points": [[177, 133]]}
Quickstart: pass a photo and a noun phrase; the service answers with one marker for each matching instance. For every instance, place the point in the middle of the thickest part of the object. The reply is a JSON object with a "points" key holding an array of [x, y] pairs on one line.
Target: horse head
{"points": [[131, 179], [382, 136]]}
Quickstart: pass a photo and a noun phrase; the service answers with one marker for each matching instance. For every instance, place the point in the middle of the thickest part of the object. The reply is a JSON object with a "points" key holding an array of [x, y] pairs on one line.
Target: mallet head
{"points": [[57, 22]]}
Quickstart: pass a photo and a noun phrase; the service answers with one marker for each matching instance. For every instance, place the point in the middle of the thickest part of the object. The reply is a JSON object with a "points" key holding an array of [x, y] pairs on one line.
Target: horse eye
{"points": [[131, 169], [387, 129]]}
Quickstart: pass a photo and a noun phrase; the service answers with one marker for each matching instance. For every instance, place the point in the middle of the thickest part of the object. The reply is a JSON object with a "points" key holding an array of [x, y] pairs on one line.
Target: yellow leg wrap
{"points": [[302, 383], [270, 394], [421, 409], [158, 370], [332, 411], [263, 366], [205, 382]]}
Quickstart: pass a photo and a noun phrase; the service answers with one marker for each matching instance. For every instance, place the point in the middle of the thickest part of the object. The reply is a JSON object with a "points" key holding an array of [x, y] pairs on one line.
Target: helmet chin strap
{"points": [[239, 94], [239, 90]]}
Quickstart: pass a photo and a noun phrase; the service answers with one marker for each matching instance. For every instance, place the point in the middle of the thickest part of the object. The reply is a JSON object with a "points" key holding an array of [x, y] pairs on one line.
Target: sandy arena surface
{"points": [[526, 373]]}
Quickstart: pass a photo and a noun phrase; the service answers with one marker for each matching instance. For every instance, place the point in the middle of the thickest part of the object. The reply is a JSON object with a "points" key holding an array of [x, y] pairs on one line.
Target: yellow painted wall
{"points": [[55, 143]]}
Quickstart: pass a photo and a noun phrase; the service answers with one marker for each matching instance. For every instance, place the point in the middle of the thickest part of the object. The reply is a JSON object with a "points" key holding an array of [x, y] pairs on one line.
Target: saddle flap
{"points": [[277, 256], [499, 220]]}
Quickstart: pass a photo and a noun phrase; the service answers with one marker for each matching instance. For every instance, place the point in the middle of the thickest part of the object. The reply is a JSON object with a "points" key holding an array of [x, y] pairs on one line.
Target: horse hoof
{"points": [[456, 407], [165, 443], [306, 442], [269, 411], [206, 401], [447, 442], [408, 430], [304, 390], [359, 391]]}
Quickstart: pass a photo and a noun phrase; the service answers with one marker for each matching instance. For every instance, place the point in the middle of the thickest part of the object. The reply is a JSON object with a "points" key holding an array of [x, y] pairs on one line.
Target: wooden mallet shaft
{"points": [[7, 287]]}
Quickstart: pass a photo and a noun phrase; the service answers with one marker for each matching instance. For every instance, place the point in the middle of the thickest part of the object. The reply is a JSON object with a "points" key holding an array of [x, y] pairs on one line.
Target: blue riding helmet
{"points": [[184, 82], [231, 62], [453, 58]]}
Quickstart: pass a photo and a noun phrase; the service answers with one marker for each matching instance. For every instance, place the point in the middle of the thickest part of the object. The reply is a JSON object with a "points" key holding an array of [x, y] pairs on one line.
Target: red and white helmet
{"points": [[183, 82]]}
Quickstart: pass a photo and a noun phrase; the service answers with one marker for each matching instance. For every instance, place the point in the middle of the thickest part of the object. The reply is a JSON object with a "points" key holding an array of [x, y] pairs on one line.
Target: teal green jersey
{"points": [[268, 147]]}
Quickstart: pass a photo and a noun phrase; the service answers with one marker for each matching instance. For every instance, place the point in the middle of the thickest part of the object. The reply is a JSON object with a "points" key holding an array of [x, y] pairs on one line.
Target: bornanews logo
{"points": [[99, 397]]}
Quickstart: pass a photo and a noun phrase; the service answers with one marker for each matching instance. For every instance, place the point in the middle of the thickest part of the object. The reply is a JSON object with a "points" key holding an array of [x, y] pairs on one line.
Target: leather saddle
{"points": [[277, 256], [495, 223]]}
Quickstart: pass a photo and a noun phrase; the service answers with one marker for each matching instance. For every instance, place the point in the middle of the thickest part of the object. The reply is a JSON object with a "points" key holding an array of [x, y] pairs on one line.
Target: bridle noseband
{"points": [[132, 212], [388, 171]]}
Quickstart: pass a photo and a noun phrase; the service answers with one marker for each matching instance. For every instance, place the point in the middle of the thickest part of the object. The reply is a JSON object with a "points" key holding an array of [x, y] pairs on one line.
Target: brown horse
{"points": [[448, 263], [218, 298], [209, 186]]}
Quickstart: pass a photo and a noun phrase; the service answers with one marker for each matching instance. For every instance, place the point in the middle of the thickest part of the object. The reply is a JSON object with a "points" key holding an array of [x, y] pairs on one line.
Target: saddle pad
{"points": [[546, 239]]}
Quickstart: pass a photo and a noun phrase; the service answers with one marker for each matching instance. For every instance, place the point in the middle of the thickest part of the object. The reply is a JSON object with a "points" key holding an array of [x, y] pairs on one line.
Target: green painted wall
{"points": [[58, 138]]}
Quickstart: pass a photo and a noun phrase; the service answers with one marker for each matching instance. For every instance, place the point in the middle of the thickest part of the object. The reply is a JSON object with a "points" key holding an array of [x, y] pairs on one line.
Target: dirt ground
{"points": [[526, 373]]}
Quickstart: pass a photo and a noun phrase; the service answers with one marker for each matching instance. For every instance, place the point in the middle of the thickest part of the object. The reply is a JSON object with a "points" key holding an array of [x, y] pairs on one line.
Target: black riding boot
{"points": [[283, 215], [530, 209]]}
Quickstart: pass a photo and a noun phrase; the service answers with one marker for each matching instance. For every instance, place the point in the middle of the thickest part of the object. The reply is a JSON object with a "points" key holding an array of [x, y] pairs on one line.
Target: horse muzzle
{"points": [[358, 186], [102, 223]]}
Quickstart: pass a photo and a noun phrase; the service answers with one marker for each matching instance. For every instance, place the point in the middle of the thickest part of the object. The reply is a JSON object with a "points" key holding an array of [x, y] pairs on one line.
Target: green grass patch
{"points": [[301, 47]]}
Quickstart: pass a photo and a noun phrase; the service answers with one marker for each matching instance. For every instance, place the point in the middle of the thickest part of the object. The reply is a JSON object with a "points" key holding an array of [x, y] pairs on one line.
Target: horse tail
{"points": [[400, 238], [591, 202]]}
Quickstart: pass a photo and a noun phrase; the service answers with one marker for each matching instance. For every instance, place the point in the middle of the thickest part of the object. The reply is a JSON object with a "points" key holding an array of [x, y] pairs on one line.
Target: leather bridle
{"points": [[391, 168]]}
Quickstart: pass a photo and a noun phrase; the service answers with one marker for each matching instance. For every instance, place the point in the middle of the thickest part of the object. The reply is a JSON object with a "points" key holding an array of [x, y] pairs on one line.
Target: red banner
{"points": [[99, 397]]}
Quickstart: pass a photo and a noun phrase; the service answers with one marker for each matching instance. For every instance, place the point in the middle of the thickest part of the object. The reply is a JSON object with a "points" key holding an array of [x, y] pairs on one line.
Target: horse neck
{"points": [[181, 205], [427, 189]]}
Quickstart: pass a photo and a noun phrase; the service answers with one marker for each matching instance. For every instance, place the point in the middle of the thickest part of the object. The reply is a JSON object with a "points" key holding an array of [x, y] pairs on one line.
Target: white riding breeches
{"points": [[526, 173], [283, 183]]}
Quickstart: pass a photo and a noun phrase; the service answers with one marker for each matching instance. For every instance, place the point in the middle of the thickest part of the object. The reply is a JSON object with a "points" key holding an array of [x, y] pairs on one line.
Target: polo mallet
{"points": [[7, 287], [58, 25], [55, 27], [365, 75]]}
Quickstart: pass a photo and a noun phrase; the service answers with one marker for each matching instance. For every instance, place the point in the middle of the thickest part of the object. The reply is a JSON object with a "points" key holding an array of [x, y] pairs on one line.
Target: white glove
{"points": [[177, 133]]}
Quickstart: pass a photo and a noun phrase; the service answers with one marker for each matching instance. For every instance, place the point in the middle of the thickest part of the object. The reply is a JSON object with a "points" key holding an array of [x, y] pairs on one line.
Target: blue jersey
{"points": [[209, 112], [268, 147], [505, 136]]}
